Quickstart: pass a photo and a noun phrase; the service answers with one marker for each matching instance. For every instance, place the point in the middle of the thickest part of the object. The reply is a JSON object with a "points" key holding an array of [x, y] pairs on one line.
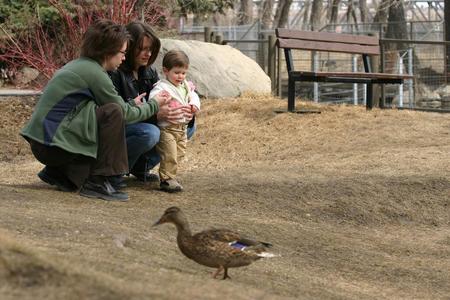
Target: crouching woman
{"points": [[77, 129]]}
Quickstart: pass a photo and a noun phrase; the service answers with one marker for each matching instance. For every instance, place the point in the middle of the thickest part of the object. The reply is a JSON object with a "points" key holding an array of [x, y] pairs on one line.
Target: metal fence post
{"points": [[355, 85], [218, 39], [411, 72], [383, 94], [315, 69], [279, 72], [261, 50], [207, 34], [271, 60], [400, 86]]}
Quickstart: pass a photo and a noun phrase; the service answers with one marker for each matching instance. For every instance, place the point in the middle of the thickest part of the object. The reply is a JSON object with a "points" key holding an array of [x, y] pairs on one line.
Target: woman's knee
{"points": [[154, 133], [110, 111], [145, 132]]}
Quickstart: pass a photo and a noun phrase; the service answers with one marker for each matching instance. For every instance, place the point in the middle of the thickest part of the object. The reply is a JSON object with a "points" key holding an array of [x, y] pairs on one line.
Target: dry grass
{"points": [[356, 202]]}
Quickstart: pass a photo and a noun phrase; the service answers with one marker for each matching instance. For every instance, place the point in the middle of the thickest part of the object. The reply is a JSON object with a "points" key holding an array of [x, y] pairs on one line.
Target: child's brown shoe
{"points": [[171, 186]]}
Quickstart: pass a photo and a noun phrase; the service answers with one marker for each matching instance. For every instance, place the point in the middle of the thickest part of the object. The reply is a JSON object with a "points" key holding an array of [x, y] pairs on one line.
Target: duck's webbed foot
{"points": [[218, 271], [225, 274]]}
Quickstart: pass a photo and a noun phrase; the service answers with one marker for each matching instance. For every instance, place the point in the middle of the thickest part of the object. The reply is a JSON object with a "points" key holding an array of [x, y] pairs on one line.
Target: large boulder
{"points": [[218, 70]]}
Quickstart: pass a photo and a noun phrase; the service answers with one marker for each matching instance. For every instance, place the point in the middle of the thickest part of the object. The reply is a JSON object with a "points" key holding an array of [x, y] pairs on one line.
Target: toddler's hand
{"points": [[194, 108], [191, 86]]}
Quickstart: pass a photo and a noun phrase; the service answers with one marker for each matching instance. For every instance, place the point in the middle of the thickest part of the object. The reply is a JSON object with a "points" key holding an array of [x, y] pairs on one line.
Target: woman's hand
{"points": [[170, 114], [139, 100], [162, 98], [188, 113]]}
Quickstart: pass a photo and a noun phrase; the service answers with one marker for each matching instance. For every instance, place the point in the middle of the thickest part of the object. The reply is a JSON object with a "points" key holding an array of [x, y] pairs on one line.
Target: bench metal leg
{"points": [[291, 95], [369, 99]]}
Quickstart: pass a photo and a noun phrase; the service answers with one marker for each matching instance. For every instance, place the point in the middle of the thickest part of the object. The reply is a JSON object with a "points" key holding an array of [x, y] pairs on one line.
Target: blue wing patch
{"points": [[237, 245]]}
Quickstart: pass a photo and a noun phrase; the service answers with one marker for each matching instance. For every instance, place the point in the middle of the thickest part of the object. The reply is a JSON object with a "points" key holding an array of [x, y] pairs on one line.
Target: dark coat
{"points": [[129, 88]]}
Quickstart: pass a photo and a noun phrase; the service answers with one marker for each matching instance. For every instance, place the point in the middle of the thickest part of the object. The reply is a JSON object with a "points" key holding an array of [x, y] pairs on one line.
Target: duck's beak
{"points": [[157, 223], [160, 221]]}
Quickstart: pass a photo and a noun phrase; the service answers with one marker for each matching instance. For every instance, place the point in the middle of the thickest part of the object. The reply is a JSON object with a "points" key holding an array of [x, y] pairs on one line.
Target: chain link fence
{"points": [[422, 56]]}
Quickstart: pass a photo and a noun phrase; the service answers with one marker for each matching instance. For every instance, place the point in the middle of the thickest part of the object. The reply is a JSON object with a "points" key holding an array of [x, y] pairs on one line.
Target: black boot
{"points": [[53, 176], [117, 182]]}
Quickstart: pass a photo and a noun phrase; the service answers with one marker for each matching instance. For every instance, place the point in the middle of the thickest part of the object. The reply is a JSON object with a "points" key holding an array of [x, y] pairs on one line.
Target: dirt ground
{"points": [[356, 202]]}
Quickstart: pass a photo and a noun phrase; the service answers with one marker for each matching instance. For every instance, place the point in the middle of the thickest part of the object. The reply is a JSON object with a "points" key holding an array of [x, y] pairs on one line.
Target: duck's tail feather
{"points": [[268, 245], [267, 255]]}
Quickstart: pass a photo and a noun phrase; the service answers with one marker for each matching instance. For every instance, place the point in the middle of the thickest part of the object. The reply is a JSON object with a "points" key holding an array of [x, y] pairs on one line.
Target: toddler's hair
{"points": [[175, 58]]}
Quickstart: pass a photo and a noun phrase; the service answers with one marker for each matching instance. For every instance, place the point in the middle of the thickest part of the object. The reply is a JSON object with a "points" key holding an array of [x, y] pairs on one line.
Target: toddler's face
{"points": [[176, 75]]}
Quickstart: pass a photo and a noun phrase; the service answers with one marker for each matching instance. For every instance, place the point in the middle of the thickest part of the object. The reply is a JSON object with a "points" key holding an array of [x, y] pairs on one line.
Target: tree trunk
{"points": [[216, 18], [334, 11], [316, 13], [245, 14], [197, 20], [397, 28], [381, 14], [363, 10], [282, 14], [284, 18], [306, 10], [266, 14], [276, 18], [351, 15]]}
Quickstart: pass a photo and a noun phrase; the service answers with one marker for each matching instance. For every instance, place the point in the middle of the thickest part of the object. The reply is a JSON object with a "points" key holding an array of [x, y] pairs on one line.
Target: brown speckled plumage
{"points": [[213, 248]]}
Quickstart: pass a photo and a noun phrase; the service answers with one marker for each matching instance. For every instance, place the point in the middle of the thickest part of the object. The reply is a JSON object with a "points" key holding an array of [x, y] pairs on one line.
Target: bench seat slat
{"points": [[327, 37], [329, 47]]}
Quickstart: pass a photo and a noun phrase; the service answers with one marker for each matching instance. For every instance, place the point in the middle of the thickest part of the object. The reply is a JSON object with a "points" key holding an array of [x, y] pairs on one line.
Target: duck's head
{"points": [[171, 215]]}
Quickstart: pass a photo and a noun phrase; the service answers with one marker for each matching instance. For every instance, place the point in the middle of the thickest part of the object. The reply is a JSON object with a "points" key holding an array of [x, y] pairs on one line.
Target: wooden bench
{"points": [[366, 46]]}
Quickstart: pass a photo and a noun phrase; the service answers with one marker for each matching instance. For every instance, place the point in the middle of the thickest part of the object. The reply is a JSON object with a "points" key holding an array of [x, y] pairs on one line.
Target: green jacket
{"points": [[65, 113]]}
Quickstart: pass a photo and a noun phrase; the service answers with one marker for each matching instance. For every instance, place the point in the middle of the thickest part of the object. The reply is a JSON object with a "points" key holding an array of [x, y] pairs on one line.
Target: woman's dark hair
{"points": [[102, 39], [138, 30], [175, 58]]}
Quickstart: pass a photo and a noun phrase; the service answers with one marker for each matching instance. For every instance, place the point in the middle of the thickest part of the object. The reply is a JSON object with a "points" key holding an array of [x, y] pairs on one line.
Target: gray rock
{"points": [[218, 70], [26, 75], [444, 91]]}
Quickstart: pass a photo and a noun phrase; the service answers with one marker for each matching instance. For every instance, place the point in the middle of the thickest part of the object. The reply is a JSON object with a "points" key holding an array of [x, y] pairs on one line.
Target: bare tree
{"points": [[351, 14], [245, 14], [282, 14], [306, 14], [334, 11], [316, 13], [397, 28], [266, 13], [382, 12], [363, 10]]}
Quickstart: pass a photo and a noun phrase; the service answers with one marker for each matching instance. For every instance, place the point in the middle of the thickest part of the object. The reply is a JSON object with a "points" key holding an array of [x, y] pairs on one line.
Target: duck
{"points": [[215, 248]]}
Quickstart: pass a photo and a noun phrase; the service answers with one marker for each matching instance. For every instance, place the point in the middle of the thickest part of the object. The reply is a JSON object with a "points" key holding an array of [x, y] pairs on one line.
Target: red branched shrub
{"points": [[46, 48]]}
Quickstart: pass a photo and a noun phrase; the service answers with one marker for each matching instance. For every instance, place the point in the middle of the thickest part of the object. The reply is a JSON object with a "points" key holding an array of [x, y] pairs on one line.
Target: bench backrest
{"points": [[327, 41]]}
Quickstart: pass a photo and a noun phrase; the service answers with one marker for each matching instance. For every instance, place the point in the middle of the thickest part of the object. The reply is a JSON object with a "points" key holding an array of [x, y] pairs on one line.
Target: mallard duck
{"points": [[215, 248]]}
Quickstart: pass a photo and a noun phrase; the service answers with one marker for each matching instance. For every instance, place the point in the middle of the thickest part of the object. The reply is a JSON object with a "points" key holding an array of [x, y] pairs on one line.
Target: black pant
{"points": [[111, 154]]}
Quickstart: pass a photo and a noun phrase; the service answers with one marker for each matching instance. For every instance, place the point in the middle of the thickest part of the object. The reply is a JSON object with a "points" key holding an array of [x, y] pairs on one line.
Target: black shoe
{"points": [[117, 182], [103, 191], [53, 177], [146, 177]]}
